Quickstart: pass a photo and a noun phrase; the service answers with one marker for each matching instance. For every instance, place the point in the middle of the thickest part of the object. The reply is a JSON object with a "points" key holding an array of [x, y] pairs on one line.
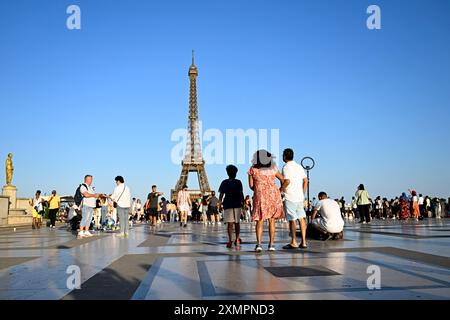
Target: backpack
{"points": [[78, 197]]}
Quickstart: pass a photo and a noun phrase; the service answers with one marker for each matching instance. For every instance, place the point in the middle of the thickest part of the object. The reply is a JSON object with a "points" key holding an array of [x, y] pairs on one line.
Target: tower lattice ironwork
{"points": [[193, 158]]}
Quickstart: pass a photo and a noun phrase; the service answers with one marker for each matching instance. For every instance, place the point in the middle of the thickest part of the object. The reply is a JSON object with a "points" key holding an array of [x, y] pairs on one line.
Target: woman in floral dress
{"points": [[404, 207], [267, 202]]}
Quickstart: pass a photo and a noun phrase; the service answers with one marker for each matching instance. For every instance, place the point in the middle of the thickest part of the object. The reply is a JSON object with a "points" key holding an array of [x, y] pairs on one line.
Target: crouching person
{"points": [[329, 225]]}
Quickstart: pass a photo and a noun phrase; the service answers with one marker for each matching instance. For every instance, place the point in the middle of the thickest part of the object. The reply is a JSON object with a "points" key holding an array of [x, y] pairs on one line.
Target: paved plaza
{"points": [[169, 262]]}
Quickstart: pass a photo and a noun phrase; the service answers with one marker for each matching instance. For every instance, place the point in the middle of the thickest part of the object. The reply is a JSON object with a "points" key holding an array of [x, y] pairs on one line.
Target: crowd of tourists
{"points": [[269, 203], [156, 211], [409, 205]]}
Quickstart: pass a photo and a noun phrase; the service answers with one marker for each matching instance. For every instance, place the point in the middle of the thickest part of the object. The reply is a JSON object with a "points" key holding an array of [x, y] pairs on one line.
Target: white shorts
{"points": [[294, 210], [232, 215], [184, 207]]}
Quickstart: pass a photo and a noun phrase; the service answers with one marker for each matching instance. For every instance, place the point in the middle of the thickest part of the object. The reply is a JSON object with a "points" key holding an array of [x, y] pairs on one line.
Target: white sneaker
{"points": [[88, 234], [81, 235]]}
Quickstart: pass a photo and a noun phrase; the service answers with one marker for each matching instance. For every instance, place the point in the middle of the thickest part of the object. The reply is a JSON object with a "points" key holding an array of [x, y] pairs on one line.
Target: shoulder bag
{"points": [[115, 202]]}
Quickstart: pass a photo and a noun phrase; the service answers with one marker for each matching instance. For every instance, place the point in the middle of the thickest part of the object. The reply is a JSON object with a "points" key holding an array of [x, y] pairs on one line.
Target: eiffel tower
{"points": [[193, 159]]}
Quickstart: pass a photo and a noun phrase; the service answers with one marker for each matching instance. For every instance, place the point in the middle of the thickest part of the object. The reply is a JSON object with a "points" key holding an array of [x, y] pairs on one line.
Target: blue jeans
{"points": [[173, 214], [104, 213], [86, 219]]}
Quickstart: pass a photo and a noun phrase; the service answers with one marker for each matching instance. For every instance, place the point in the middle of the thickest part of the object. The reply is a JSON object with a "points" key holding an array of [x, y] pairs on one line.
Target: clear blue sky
{"points": [[369, 106]]}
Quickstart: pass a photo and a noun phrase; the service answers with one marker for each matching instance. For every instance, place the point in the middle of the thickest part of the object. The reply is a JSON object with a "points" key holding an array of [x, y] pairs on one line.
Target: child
{"points": [[37, 204], [74, 217], [232, 189]]}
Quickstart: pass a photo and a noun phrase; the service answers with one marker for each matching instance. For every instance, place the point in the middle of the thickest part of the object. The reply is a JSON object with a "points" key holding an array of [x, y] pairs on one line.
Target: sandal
{"points": [[289, 247]]}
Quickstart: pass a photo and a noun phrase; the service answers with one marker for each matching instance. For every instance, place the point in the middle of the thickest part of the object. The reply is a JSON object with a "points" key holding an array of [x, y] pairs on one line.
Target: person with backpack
{"points": [[86, 197]]}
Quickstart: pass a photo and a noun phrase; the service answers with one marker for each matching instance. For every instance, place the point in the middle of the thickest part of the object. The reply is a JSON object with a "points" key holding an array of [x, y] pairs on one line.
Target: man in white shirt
{"points": [[87, 206], [294, 188], [330, 222], [122, 197]]}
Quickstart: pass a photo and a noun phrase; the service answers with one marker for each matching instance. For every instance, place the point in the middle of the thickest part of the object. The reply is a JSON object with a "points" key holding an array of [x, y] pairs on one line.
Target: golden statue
{"points": [[9, 169]]}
